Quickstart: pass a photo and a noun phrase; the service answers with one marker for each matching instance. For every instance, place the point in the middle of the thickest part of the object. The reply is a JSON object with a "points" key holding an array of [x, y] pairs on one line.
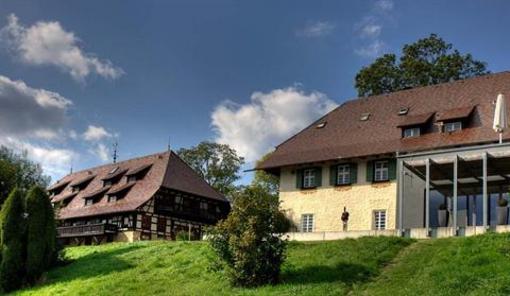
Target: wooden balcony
{"points": [[86, 230]]}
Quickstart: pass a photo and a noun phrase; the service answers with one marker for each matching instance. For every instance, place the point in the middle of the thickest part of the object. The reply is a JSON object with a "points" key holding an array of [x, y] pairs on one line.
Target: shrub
{"points": [[41, 233], [12, 267], [249, 242]]}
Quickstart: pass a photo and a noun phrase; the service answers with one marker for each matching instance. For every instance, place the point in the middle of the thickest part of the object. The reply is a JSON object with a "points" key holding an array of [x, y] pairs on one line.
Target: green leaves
{"points": [[428, 61], [217, 164], [249, 241]]}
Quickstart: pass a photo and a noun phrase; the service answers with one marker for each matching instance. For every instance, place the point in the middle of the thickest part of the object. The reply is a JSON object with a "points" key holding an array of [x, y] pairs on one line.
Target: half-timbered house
{"points": [[152, 197]]}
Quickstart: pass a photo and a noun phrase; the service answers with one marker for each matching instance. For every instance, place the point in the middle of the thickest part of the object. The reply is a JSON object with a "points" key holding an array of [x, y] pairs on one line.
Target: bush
{"points": [[12, 267], [182, 236], [41, 232], [249, 241]]}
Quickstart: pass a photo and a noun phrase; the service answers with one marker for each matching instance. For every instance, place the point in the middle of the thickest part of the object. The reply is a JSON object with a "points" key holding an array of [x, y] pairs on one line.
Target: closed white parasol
{"points": [[500, 117]]}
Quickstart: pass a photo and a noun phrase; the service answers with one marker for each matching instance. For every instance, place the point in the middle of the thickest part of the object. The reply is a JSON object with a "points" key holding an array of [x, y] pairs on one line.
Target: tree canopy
{"points": [[427, 61], [268, 182], [16, 170], [218, 164]]}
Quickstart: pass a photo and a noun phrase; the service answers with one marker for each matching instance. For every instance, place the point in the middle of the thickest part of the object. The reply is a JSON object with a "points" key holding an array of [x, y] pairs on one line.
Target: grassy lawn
{"points": [[455, 266], [367, 266], [181, 268]]}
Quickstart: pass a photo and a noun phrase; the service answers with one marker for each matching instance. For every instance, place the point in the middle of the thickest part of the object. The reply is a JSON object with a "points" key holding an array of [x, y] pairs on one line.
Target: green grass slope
{"points": [[367, 266], [181, 268], [455, 266]]}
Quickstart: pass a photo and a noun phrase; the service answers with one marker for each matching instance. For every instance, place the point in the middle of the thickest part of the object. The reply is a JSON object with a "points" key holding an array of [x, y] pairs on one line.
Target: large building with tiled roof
{"points": [[155, 196], [345, 163]]}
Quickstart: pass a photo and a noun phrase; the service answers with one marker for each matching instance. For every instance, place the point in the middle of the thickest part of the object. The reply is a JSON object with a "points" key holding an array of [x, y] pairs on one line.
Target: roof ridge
{"points": [[443, 84], [118, 163]]}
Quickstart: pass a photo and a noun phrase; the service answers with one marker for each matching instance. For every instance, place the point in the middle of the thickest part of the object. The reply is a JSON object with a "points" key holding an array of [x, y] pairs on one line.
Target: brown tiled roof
{"points": [[120, 188], [82, 180], [99, 191], [345, 136], [114, 175], [58, 185], [410, 120], [136, 170], [166, 170], [456, 113], [63, 197]]}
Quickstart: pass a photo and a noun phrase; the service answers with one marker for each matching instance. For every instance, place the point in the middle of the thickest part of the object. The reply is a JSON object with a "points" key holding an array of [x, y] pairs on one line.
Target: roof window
{"points": [[403, 111], [321, 125], [364, 116]]}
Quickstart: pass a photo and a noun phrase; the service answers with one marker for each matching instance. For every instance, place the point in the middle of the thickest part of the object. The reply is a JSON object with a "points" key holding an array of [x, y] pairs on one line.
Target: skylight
{"points": [[364, 116], [321, 125], [403, 111]]}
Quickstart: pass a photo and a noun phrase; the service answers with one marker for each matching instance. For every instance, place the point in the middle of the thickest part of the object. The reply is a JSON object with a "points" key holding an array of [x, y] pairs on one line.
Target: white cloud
{"points": [[47, 43], [101, 151], [384, 5], [96, 133], [371, 50], [54, 161], [31, 112], [254, 128], [316, 29], [371, 30], [370, 27]]}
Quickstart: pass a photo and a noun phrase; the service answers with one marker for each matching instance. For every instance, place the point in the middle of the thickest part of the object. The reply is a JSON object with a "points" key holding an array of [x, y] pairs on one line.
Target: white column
{"points": [[484, 192], [427, 195], [400, 184], [455, 183]]}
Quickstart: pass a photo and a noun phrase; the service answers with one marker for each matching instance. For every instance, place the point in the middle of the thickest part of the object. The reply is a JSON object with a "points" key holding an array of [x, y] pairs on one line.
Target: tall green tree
{"points": [[265, 180], [12, 240], [427, 61], [16, 170], [218, 164], [41, 234], [249, 242]]}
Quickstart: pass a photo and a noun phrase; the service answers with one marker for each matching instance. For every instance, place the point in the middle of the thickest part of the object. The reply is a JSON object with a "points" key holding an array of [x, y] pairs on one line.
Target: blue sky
{"points": [[77, 76]]}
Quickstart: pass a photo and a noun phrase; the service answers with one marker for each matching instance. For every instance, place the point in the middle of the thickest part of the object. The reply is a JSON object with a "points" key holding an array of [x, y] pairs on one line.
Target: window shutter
{"points": [[333, 171], [299, 178], [370, 171], [318, 176], [392, 169], [354, 173]]}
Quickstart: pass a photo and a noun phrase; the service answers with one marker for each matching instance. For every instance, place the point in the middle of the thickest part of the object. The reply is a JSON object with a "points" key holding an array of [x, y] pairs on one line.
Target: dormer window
{"points": [[131, 178], [453, 126], [411, 132], [112, 198], [89, 201]]}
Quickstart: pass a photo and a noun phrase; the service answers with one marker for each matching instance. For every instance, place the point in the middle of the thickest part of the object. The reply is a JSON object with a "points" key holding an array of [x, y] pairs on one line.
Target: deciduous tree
{"points": [[428, 61], [218, 164]]}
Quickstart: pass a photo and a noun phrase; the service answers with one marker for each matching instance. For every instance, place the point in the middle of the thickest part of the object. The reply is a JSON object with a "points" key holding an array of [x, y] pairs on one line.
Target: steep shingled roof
{"points": [[165, 170], [346, 136]]}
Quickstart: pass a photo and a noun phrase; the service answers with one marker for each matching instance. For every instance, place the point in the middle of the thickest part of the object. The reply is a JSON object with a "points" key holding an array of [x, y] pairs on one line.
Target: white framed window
{"points": [[112, 198], [309, 178], [411, 132], [89, 201], [343, 174], [379, 219], [381, 170], [307, 223], [452, 126]]}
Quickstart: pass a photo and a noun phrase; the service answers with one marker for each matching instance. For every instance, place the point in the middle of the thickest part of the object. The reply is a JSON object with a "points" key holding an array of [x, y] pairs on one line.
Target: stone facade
{"points": [[327, 202]]}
